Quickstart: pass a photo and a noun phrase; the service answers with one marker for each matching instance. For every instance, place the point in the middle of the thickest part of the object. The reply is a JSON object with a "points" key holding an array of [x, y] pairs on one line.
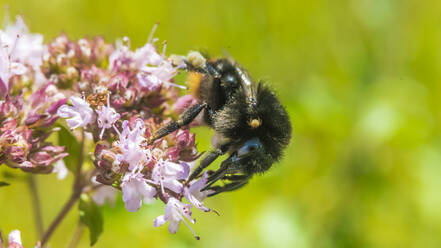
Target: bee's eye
{"points": [[229, 80], [249, 146]]}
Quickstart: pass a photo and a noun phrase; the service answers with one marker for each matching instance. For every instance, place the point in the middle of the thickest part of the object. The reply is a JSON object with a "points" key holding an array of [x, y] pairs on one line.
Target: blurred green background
{"points": [[361, 82]]}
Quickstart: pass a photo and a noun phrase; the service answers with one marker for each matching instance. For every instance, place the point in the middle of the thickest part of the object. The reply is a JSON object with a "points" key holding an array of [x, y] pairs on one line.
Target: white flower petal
{"points": [[159, 221], [173, 226], [105, 194], [14, 237], [131, 197], [60, 169]]}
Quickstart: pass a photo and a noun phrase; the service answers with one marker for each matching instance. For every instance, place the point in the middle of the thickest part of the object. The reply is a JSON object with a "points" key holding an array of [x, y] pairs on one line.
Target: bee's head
{"points": [[248, 159], [251, 157], [258, 133]]}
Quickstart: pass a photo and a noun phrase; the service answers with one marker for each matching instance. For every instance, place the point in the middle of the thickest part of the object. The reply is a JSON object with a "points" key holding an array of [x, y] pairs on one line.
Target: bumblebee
{"points": [[250, 123]]}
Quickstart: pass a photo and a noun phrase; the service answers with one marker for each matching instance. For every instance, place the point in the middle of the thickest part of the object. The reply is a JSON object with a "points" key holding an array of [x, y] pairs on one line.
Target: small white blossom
{"points": [[167, 174], [107, 116], [175, 212], [147, 55], [8, 68], [14, 239], [129, 144], [135, 190], [21, 45], [123, 56], [60, 169], [151, 77], [80, 113], [105, 194], [194, 194]]}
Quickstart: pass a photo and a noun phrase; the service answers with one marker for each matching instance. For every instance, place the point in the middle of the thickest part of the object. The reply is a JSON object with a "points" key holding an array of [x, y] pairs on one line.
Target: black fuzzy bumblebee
{"points": [[250, 123]]}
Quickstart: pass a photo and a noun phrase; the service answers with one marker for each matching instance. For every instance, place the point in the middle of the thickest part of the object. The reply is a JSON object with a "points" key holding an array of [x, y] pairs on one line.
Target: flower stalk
{"points": [[77, 190], [36, 204]]}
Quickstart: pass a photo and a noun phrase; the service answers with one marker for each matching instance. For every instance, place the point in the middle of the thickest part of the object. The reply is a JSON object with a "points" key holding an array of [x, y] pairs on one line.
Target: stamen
{"points": [[108, 100], [102, 132], [14, 45], [177, 85], [164, 47], [150, 39], [150, 181], [116, 130], [162, 188], [191, 229]]}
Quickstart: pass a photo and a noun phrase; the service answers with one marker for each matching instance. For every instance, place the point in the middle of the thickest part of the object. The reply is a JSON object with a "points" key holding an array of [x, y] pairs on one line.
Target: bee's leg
{"points": [[221, 174], [184, 119], [208, 159], [235, 177], [228, 187]]}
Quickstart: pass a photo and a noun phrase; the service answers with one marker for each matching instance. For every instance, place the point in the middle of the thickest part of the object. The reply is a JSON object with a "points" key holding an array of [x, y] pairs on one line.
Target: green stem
{"points": [[76, 193], [36, 205], [66, 208]]}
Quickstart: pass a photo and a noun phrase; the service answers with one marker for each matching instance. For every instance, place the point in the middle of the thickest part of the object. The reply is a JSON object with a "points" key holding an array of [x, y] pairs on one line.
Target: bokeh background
{"points": [[361, 82]]}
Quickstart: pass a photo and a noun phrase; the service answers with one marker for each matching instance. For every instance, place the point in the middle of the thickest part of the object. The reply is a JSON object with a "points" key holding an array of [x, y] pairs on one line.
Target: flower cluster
{"points": [[122, 97], [119, 96], [28, 103]]}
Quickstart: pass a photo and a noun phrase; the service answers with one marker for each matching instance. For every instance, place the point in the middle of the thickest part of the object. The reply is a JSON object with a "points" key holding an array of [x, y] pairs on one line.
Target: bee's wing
{"points": [[246, 81], [229, 57]]}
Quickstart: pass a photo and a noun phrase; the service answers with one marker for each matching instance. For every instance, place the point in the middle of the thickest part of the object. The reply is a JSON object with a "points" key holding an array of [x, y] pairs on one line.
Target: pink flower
{"points": [[183, 103], [46, 99], [122, 56], [10, 107], [47, 156], [14, 145], [175, 212], [167, 174], [135, 189], [107, 116], [80, 113], [118, 83], [184, 149]]}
